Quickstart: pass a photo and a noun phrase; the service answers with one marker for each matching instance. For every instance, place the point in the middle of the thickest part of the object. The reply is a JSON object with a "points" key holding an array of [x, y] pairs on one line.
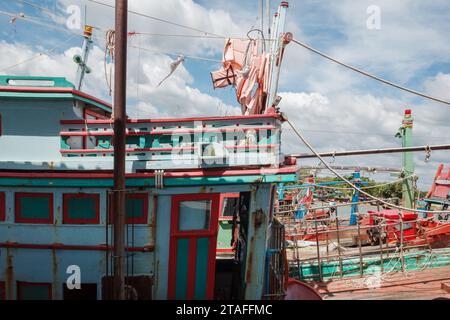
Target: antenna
{"points": [[268, 18], [280, 40], [261, 24], [81, 60]]}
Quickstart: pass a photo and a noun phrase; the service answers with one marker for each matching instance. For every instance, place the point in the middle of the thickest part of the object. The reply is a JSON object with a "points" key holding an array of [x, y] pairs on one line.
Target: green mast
{"points": [[405, 133]]}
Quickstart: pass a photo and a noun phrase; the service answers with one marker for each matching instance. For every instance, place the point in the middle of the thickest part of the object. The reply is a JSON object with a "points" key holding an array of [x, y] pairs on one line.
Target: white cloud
{"points": [[351, 112]]}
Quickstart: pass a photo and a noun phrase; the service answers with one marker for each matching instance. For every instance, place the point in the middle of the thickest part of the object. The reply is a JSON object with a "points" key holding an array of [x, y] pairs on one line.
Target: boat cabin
{"points": [[200, 193]]}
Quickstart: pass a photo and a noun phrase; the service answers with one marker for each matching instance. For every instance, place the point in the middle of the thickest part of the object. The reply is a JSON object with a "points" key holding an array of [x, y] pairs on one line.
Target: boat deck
{"points": [[428, 284]]}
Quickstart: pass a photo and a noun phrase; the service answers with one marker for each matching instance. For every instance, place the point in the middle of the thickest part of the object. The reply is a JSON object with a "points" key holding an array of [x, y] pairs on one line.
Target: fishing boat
{"points": [[202, 195], [199, 192]]}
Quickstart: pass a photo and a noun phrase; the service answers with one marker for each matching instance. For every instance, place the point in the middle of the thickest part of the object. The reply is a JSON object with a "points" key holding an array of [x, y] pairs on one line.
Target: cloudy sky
{"points": [[335, 108]]}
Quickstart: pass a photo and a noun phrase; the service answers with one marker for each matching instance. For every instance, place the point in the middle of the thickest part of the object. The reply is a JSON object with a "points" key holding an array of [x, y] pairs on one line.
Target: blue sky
{"points": [[337, 109]]}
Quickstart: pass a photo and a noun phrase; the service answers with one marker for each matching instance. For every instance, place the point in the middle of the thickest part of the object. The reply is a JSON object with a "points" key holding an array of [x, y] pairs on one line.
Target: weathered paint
{"points": [[372, 265], [32, 119], [257, 233]]}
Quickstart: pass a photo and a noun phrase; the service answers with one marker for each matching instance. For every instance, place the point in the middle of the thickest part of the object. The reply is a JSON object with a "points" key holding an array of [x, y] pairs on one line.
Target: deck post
{"points": [[339, 245], [119, 146], [361, 271], [355, 197], [405, 133], [319, 261], [380, 240]]}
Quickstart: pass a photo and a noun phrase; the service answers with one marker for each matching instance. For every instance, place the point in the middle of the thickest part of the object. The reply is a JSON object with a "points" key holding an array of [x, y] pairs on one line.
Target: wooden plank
{"points": [[424, 285], [445, 286]]}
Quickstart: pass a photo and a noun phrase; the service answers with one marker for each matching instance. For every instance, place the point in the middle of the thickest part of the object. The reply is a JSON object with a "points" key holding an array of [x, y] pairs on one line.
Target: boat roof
{"points": [[46, 87]]}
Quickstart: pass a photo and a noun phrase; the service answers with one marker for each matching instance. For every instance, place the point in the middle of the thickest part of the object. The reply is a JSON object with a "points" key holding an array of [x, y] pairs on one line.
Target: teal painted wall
{"points": [[30, 130]]}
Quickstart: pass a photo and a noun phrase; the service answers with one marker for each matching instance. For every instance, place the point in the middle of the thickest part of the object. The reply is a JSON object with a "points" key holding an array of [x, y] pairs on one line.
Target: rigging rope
{"points": [[109, 51], [423, 95], [40, 54], [369, 187], [310, 147], [159, 19]]}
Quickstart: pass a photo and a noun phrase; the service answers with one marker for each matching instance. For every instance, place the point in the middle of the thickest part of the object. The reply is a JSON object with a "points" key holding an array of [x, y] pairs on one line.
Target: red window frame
{"points": [[2, 207], [17, 209], [2, 291], [21, 284], [222, 200], [142, 220], [68, 220]]}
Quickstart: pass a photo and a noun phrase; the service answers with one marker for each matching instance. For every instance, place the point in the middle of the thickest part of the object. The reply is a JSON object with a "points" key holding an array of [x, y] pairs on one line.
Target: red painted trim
{"points": [[84, 151], [18, 208], [174, 174], [66, 217], [191, 268], [2, 290], [132, 150], [2, 206], [21, 284], [163, 120], [193, 235], [224, 250], [54, 90], [160, 132], [71, 247]]}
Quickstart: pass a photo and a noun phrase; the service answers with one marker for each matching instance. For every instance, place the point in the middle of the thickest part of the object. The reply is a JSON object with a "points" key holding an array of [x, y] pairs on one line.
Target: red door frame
{"points": [[193, 235], [222, 218]]}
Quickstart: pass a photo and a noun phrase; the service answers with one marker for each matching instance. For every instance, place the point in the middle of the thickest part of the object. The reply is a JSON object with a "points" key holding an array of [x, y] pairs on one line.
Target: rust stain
{"points": [[9, 275], [248, 277], [55, 272], [259, 218], [202, 189], [153, 220]]}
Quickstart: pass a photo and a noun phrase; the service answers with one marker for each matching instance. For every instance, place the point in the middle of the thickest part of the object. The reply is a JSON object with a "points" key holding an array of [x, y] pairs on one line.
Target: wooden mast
{"points": [[119, 147]]}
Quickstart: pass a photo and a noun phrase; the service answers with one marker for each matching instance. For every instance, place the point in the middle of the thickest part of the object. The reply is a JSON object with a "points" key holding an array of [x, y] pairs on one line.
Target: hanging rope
{"points": [[310, 147], [173, 66], [109, 52]]}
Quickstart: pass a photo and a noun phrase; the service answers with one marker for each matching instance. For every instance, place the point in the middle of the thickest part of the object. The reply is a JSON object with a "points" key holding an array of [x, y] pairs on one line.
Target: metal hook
{"points": [[334, 157], [427, 153]]}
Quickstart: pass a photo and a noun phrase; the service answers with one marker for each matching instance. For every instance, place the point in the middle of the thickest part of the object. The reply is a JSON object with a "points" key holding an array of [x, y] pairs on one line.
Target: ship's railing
{"points": [[218, 141]]}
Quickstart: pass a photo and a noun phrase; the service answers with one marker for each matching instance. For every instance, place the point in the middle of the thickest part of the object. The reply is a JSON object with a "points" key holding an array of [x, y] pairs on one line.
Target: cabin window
{"points": [[34, 291], [2, 207], [2, 291], [194, 215], [230, 204], [34, 208], [81, 208], [137, 208], [88, 291]]}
